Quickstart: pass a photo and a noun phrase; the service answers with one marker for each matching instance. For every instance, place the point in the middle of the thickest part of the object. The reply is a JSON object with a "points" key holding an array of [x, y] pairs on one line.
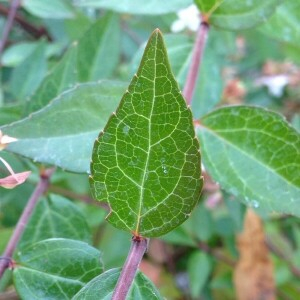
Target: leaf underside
{"points": [[146, 162]]}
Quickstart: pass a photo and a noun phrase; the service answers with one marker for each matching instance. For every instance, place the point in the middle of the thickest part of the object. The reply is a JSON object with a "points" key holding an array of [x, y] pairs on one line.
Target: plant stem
{"points": [[198, 51], [36, 32], [135, 255], [12, 244], [9, 23]]}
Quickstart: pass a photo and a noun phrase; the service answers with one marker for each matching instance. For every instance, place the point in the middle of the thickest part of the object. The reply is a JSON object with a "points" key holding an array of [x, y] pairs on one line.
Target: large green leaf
{"points": [[55, 217], [55, 269], [254, 153], [63, 132], [146, 161], [237, 15], [142, 287], [150, 7], [85, 60]]}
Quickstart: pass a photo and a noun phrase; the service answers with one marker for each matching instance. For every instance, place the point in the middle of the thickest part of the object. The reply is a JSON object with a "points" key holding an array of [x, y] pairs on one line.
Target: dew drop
{"points": [[254, 204], [126, 129], [164, 168]]}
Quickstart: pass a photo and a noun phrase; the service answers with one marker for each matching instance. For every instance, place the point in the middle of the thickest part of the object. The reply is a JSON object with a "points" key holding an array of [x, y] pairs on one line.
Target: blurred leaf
{"points": [[152, 7], [62, 77], [11, 113], [54, 9], [199, 268], [142, 287], [253, 276], [17, 53], [114, 245], [253, 153], [55, 217], [284, 24], [237, 15], [296, 122], [27, 76], [85, 60], [5, 234], [63, 132], [55, 269], [148, 151]]}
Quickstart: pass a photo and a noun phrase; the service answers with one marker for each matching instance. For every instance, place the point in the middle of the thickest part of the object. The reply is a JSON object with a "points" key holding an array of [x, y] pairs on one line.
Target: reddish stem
{"points": [[12, 244], [198, 51], [135, 255], [9, 23]]}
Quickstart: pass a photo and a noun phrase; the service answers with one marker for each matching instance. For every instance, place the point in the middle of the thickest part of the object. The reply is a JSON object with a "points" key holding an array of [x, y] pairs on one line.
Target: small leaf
{"points": [[146, 162], [13, 180], [142, 287], [55, 269], [54, 9], [55, 217], [253, 276], [152, 7], [199, 269], [63, 132], [237, 15], [255, 154]]}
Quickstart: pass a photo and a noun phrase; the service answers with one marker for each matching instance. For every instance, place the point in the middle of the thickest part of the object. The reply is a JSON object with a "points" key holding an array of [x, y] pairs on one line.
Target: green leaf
{"points": [[27, 76], [55, 217], [284, 24], [146, 162], [199, 269], [237, 15], [152, 7], [253, 153], [55, 269], [63, 132], [85, 60], [99, 49], [54, 9], [142, 287], [11, 113], [62, 77]]}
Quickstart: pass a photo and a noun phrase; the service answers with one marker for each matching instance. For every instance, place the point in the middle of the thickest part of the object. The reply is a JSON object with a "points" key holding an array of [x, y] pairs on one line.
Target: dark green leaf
{"points": [[152, 7], [237, 15], [55, 217], [55, 269], [142, 287], [146, 162], [253, 153], [63, 132]]}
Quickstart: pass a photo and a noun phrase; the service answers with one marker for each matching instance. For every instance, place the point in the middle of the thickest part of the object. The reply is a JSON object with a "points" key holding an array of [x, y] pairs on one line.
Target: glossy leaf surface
{"points": [[55, 269], [237, 15], [255, 153], [55, 217], [146, 162], [152, 7], [63, 132], [142, 287]]}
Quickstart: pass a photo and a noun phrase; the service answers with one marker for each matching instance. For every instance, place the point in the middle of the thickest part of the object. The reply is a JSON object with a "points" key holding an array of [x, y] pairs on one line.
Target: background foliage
{"points": [[62, 77]]}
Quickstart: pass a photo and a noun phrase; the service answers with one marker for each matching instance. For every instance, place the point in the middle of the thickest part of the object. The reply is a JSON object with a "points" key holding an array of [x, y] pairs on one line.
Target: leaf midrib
{"points": [[149, 146]]}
